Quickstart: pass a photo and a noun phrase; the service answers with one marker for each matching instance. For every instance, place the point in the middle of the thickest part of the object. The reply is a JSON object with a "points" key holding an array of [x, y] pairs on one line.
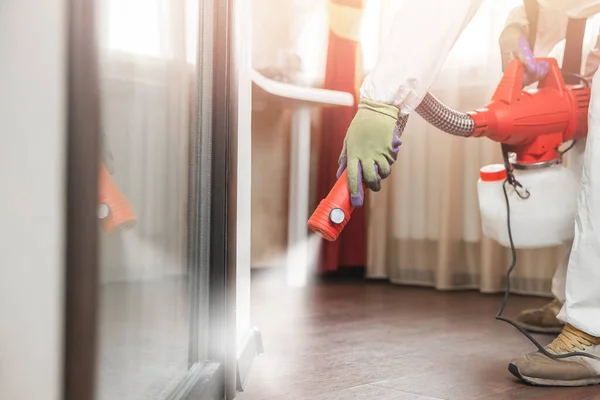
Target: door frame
{"points": [[215, 378], [222, 337], [81, 251]]}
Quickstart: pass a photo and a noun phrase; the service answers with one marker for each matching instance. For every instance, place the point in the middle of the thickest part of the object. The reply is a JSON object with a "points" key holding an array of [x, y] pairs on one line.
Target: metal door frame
{"points": [[81, 252]]}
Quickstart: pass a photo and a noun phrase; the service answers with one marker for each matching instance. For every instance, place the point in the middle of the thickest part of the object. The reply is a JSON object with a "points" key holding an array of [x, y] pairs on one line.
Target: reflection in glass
{"points": [[147, 53]]}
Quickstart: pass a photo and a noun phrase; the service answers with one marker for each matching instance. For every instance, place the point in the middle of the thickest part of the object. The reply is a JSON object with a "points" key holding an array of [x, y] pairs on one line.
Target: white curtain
{"points": [[424, 225]]}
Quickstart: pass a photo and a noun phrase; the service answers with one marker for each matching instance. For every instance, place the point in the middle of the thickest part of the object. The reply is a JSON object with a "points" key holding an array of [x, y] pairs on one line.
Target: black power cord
{"points": [[510, 180]]}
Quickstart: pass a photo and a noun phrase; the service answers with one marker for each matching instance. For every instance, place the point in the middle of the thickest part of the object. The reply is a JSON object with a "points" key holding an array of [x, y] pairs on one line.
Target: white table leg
{"points": [[298, 247]]}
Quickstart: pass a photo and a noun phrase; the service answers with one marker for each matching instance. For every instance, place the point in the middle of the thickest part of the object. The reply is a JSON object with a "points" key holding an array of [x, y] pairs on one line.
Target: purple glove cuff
{"points": [[342, 166], [396, 142], [534, 71], [528, 58], [359, 199]]}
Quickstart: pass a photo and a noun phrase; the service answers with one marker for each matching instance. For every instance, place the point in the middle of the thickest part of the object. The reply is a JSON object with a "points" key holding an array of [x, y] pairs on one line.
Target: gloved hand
{"points": [[370, 148], [513, 43]]}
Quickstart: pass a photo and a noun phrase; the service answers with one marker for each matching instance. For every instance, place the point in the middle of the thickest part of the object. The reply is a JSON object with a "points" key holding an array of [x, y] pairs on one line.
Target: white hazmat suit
{"points": [[551, 32], [422, 35]]}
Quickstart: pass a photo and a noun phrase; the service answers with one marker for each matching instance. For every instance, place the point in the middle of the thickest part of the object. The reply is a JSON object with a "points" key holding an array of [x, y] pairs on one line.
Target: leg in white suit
{"points": [[581, 311], [544, 319]]}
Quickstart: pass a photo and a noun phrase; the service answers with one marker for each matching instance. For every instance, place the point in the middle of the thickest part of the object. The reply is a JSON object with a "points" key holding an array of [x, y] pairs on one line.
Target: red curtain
{"points": [[341, 74]]}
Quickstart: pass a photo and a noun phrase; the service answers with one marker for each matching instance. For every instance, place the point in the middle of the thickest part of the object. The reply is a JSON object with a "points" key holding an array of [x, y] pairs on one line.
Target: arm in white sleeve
{"points": [[552, 27], [518, 16], [592, 61], [412, 55]]}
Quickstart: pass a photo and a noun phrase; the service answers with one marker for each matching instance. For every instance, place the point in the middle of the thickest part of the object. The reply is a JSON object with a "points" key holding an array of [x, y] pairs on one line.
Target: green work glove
{"points": [[370, 147]]}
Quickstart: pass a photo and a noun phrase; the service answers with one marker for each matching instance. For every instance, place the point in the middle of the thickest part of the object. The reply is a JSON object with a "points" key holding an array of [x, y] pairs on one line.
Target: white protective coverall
{"points": [[552, 26], [422, 35]]}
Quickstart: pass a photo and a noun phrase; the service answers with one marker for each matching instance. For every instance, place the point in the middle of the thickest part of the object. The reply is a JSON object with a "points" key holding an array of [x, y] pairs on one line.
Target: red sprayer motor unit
{"points": [[531, 123]]}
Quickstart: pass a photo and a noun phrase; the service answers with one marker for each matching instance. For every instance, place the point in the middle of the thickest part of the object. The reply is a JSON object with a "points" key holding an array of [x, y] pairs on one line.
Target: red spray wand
{"points": [[334, 211], [114, 210]]}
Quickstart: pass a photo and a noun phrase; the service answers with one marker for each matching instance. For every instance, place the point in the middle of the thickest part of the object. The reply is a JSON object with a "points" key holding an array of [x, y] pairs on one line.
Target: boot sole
{"points": [[513, 369], [539, 329]]}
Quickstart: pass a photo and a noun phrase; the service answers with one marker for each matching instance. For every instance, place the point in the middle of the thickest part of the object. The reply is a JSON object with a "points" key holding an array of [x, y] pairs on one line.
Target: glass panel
{"points": [[153, 289]]}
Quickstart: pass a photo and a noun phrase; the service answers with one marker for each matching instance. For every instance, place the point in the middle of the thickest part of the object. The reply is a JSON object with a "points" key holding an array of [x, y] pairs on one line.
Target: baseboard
{"points": [[252, 348], [343, 274]]}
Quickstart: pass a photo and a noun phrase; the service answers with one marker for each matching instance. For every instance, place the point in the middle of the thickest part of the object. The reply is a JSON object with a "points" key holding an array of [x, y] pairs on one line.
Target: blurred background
{"points": [[173, 114], [429, 205]]}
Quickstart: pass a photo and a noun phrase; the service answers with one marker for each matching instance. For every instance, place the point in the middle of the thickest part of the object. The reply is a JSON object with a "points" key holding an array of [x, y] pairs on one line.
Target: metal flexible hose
{"points": [[444, 118]]}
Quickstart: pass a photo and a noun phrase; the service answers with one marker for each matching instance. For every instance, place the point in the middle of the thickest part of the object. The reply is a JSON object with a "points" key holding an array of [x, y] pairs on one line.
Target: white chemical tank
{"points": [[546, 218]]}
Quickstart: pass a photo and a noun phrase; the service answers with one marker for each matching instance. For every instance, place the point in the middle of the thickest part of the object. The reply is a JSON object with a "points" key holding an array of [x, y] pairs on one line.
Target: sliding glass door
{"points": [[160, 269]]}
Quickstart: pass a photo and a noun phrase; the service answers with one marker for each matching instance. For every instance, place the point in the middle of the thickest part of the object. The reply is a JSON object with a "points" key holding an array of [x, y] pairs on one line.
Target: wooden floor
{"points": [[375, 341]]}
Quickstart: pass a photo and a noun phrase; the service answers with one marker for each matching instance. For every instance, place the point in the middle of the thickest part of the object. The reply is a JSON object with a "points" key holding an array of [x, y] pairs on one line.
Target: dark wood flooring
{"points": [[375, 341]]}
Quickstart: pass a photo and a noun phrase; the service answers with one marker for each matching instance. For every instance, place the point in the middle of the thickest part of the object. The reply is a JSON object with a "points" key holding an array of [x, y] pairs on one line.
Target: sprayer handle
{"points": [[334, 211]]}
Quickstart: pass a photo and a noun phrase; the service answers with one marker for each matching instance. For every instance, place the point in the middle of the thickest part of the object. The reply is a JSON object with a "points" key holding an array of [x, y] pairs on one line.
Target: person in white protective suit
{"points": [[551, 32], [422, 35]]}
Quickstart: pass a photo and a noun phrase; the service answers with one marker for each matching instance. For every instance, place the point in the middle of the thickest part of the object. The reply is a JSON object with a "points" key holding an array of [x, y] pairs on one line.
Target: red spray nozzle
{"points": [[334, 211], [114, 206]]}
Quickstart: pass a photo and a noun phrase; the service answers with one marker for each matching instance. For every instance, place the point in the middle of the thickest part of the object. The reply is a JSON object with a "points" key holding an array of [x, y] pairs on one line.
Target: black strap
{"points": [[571, 64], [532, 10]]}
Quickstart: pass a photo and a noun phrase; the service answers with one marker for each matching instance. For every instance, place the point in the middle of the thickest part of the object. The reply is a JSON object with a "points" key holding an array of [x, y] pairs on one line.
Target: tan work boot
{"points": [[542, 320], [538, 369]]}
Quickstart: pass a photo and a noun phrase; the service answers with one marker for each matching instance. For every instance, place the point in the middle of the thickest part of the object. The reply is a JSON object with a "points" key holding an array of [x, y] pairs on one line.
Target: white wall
{"points": [[32, 171], [242, 57]]}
